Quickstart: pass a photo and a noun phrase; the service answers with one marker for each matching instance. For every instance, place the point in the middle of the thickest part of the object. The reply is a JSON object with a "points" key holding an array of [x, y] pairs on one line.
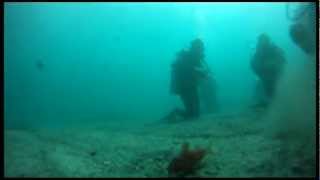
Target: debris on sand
{"points": [[187, 162]]}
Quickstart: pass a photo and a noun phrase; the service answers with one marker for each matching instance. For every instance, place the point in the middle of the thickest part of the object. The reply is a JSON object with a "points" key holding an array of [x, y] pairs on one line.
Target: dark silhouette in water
{"points": [[303, 30], [301, 38], [187, 161], [185, 75], [268, 63], [93, 153], [40, 65]]}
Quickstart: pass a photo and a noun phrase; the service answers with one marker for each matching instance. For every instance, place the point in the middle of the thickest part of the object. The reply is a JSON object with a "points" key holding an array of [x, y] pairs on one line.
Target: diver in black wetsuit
{"points": [[268, 63], [185, 75], [303, 30]]}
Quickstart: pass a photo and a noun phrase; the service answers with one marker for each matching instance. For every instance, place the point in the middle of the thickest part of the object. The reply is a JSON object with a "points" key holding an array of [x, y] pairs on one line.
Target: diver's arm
{"points": [[204, 69], [202, 72]]}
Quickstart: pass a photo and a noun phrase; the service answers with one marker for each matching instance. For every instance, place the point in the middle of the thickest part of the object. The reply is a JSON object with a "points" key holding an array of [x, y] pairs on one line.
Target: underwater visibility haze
{"points": [[159, 89]]}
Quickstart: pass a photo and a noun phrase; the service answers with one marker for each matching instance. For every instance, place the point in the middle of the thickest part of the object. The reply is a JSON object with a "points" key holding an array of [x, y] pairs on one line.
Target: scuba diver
{"points": [[303, 29], [267, 63], [186, 72]]}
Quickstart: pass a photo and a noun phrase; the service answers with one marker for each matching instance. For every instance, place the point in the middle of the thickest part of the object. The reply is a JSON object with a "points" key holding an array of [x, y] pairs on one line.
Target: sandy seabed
{"points": [[239, 149]]}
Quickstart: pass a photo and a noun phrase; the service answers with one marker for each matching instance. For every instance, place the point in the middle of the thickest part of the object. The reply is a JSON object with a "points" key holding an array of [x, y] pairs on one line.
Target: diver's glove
{"points": [[203, 72]]}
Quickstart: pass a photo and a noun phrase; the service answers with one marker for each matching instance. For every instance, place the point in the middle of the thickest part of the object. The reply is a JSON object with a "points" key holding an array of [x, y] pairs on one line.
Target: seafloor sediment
{"points": [[239, 149]]}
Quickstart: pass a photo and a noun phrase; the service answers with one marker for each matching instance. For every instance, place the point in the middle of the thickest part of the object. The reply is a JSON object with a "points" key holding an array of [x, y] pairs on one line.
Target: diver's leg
{"points": [[173, 114], [191, 101], [195, 104], [187, 105], [269, 89]]}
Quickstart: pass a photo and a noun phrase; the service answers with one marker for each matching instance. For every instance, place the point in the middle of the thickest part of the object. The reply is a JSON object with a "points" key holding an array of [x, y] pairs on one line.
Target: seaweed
{"points": [[187, 162]]}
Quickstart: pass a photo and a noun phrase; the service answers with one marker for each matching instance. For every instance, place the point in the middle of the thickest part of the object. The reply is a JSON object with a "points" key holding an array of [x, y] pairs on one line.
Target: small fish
{"points": [[40, 65], [93, 153]]}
